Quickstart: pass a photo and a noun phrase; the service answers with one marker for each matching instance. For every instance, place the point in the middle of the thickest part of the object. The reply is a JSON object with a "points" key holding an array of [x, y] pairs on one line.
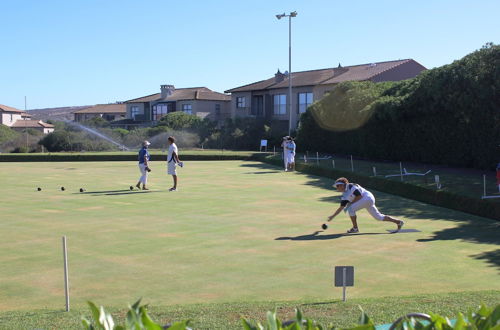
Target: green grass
{"points": [[228, 315], [236, 233]]}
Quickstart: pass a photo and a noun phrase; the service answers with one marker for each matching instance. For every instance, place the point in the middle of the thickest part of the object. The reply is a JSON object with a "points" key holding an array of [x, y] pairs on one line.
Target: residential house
{"points": [[20, 120], [37, 125], [269, 98], [199, 101], [109, 112], [9, 115]]}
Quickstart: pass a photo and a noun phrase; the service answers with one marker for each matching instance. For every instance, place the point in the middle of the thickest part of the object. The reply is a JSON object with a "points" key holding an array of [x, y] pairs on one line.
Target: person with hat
{"points": [[354, 198], [144, 165]]}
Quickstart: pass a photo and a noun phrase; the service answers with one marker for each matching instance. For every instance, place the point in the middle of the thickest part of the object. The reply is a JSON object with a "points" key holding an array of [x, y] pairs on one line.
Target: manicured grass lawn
{"points": [[236, 232]]}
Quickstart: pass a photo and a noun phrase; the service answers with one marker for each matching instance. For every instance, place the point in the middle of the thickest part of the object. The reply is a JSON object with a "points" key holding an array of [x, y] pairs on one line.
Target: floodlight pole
{"points": [[280, 16]]}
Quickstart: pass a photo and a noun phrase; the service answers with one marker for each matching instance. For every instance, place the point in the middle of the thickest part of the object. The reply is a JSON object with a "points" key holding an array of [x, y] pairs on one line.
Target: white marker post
{"points": [[436, 180], [374, 171], [333, 163], [274, 151], [305, 159], [352, 165], [66, 275], [484, 184], [317, 158], [401, 170]]}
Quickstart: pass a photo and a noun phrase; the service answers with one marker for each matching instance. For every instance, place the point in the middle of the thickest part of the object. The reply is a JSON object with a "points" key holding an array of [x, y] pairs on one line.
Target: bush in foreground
{"points": [[137, 318]]}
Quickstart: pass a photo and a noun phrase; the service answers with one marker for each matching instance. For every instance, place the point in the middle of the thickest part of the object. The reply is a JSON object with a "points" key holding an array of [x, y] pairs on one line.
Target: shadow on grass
{"points": [[316, 237], [115, 192], [491, 257], [468, 227]]}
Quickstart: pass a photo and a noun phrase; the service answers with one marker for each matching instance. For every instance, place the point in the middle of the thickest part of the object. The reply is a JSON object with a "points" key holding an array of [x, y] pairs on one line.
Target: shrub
{"points": [[449, 115]]}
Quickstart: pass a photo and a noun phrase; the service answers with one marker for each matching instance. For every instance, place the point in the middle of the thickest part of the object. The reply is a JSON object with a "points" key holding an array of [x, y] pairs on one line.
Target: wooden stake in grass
{"points": [[66, 279]]}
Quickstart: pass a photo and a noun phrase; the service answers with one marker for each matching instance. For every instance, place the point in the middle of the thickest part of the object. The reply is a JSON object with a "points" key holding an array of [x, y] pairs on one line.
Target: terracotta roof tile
{"points": [[181, 94], [31, 124], [325, 76], [105, 108], [9, 109]]}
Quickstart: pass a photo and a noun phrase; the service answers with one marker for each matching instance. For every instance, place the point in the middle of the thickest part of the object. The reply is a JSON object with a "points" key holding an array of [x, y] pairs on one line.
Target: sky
{"points": [[84, 52]]}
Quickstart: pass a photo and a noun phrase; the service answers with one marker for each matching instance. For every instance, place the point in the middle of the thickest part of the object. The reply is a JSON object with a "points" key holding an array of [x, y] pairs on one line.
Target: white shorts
{"points": [[290, 158], [366, 202], [171, 168]]}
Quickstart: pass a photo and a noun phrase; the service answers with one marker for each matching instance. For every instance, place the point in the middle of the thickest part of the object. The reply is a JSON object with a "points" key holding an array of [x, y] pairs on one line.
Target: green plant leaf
{"points": [[176, 326], [148, 323], [272, 323], [364, 318], [247, 325], [86, 324], [95, 311], [298, 315]]}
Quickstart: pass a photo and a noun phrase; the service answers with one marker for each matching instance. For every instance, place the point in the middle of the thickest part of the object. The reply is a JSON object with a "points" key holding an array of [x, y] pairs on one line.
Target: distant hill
{"points": [[57, 114]]}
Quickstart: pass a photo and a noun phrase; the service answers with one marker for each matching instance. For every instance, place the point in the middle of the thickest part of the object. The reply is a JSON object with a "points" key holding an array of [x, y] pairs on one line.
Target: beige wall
{"points": [[8, 119], [240, 112], [206, 109]]}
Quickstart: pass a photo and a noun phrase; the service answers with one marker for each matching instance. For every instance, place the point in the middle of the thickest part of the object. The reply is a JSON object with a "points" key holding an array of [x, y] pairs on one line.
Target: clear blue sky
{"points": [[84, 52]]}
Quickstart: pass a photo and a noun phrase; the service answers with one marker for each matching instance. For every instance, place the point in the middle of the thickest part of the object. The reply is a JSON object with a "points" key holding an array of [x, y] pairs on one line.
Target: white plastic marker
{"points": [[401, 170], [436, 179], [66, 275], [333, 163], [317, 158], [352, 165], [374, 171]]}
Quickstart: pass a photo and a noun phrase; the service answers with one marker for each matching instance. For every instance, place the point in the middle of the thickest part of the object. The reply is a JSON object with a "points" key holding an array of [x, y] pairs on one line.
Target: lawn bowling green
{"points": [[235, 231]]}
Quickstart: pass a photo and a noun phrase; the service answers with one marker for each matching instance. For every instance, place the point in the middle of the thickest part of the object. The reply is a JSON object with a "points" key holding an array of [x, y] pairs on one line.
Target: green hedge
{"points": [[480, 207], [80, 157], [448, 115]]}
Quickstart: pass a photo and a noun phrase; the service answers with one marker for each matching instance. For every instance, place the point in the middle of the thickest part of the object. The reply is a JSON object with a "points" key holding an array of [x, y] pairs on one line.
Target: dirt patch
{"points": [[51, 211], [90, 208]]}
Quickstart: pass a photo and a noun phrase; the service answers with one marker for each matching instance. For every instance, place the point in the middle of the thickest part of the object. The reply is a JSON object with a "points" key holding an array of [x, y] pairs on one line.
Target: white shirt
{"points": [[171, 149], [348, 194]]}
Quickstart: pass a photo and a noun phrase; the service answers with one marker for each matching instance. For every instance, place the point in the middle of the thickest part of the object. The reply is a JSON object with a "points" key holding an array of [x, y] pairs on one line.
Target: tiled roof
{"points": [[105, 108], [9, 109], [31, 124], [325, 76], [181, 94]]}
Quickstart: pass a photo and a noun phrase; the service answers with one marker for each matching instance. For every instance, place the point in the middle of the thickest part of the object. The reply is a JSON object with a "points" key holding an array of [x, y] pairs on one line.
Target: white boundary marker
{"points": [[66, 274], [484, 190], [404, 172]]}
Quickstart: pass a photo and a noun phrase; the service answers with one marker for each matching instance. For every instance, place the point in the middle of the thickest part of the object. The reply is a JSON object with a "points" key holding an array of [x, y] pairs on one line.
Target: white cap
{"points": [[146, 143]]}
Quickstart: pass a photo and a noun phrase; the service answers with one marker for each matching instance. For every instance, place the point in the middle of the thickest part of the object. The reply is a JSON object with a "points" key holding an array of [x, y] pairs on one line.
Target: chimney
{"points": [[279, 77], [167, 90]]}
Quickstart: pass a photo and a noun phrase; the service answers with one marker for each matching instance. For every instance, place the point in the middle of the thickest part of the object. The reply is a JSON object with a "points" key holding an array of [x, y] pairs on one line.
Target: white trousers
{"points": [[366, 202], [144, 174]]}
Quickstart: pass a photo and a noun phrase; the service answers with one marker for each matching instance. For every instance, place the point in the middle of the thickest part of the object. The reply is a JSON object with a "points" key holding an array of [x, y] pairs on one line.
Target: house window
{"points": [[241, 102], [217, 110], [159, 111], [305, 100], [187, 108], [134, 111], [280, 104]]}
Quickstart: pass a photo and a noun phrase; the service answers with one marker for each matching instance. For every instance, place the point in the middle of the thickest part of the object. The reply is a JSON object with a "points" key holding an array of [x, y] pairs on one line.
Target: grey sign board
{"points": [[344, 275]]}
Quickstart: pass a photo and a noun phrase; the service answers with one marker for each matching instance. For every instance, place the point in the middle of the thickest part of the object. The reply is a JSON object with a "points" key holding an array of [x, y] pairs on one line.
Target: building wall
{"points": [[241, 112], [143, 110], [206, 109], [8, 119]]}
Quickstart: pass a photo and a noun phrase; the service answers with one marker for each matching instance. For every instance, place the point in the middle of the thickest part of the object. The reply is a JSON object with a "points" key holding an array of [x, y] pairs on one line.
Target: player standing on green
{"points": [[173, 161], [354, 198], [143, 165]]}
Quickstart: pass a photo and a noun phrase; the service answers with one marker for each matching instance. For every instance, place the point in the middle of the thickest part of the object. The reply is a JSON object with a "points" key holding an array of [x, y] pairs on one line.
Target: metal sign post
{"points": [[344, 277]]}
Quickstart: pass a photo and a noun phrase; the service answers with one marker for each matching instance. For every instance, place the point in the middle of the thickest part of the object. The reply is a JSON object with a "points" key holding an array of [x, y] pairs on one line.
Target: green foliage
{"points": [[7, 133], [180, 120], [448, 115], [137, 319], [484, 318], [96, 122]]}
